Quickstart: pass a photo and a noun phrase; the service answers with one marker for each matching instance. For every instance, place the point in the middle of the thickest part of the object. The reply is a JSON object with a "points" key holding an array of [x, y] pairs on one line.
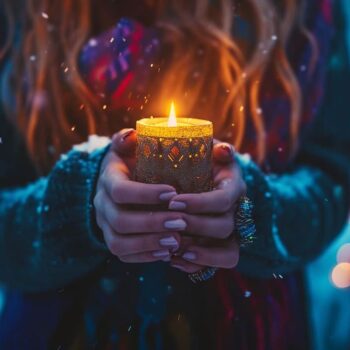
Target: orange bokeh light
{"points": [[341, 275]]}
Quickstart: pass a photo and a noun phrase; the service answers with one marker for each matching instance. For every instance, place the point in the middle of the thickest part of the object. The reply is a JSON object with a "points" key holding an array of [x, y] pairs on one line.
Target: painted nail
{"points": [[166, 197], [177, 205], [126, 135], [178, 224], [178, 267], [228, 149], [189, 256], [161, 254], [167, 259], [169, 242]]}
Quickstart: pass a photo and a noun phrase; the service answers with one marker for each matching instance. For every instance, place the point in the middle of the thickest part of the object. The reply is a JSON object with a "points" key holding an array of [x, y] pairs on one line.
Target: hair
{"points": [[206, 66]]}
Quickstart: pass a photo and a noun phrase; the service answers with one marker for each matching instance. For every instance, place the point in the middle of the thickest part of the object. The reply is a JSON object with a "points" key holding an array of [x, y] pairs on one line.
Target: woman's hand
{"points": [[213, 244], [133, 236]]}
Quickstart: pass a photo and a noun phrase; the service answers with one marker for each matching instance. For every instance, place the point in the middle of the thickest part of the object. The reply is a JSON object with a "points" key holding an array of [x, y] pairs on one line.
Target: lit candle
{"points": [[175, 151]]}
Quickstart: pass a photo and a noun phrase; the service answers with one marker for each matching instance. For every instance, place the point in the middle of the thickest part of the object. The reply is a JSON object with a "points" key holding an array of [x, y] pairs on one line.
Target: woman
{"points": [[86, 269]]}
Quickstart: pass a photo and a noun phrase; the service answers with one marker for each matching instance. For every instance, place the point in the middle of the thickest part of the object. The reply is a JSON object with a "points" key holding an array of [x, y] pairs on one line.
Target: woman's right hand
{"points": [[133, 236]]}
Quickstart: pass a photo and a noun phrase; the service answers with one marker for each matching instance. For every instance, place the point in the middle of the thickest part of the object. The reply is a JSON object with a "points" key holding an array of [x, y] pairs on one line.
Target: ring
{"points": [[203, 275], [244, 223]]}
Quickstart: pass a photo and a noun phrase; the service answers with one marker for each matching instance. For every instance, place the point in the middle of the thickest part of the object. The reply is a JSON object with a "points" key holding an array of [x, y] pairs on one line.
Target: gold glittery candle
{"points": [[175, 151]]}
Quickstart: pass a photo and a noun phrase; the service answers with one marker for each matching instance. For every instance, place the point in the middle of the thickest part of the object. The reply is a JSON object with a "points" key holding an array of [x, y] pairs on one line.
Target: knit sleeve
{"points": [[47, 228], [300, 212]]}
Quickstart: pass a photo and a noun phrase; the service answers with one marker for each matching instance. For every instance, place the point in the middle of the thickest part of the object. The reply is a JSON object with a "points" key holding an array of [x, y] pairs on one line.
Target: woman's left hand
{"points": [[215, 248]]}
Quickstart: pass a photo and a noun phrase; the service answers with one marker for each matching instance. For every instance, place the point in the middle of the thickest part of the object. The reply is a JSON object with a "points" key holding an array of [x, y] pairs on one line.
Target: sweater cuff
{"points": [[267, 251], [76, 176]]}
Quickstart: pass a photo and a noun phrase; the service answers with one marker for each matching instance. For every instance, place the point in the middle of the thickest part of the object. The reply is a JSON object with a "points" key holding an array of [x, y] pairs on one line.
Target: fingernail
{"points": [[178, 224], [165, 197], [189, 256], [177, 205], [228, 149], [126, 135], [167, 259], [178, 267], [169, 242], [161, 254]]}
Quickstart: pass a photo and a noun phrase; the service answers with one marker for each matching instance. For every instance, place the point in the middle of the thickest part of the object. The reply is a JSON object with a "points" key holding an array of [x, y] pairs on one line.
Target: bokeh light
{"points": [[343, 255], [341, 275]]}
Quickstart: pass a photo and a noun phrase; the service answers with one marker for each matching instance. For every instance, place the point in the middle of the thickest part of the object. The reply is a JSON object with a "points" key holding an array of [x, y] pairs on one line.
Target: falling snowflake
{"points": [[93, 42], [247, 294]]}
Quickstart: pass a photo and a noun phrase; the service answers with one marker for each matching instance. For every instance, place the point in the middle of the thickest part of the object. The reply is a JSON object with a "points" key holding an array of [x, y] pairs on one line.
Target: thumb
{"points": [[223, 153], [124, 142]]}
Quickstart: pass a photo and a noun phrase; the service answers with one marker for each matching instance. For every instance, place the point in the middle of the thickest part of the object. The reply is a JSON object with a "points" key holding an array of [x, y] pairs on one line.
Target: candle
{"points": [[175, 151]]}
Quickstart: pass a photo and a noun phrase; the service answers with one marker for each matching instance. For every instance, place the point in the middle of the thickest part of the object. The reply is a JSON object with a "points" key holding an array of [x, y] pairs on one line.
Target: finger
{"points": [[159, 255], [184, 266], [221, 200], [125, 191], [121, 245], [219, 227], [136, 222], [217, 201], [221, 257], [223, 153], [124, 142]]}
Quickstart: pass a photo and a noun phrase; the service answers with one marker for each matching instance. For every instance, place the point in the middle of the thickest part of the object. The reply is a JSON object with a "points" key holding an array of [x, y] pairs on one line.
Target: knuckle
{"points": [[223, 234], [226, 201], [97, 200], [123, 259], [233, 260], [114, 247], [227, 226], [243, 186], [99, 221], [193, 223], [117, 192], [120, 225]]}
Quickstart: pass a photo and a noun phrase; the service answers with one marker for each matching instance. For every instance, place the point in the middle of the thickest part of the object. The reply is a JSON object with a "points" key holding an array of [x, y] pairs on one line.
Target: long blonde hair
{"points": [[207, 67]]}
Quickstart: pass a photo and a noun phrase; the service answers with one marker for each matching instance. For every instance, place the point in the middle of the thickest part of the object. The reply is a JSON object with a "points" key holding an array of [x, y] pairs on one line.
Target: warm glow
{"points": [[341, 275], [172, 116]]}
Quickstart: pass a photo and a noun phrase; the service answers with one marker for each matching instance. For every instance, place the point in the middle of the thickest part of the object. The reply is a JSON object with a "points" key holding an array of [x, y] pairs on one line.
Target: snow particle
{"points": [[247, 294]]}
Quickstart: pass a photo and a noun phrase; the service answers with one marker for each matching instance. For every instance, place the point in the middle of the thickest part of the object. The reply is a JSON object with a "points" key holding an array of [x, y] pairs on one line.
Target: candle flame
{"points": [[172, 116]]}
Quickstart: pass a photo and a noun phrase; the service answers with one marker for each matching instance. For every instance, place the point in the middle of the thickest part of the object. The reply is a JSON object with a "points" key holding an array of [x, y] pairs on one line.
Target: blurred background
{"points": [[328, 284]]}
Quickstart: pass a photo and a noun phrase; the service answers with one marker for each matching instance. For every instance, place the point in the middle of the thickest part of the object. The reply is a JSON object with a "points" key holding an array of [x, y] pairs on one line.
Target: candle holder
{"points": [[179, 155]]}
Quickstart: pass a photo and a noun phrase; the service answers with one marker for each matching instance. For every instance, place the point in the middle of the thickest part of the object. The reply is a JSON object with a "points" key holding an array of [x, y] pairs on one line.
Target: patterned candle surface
{"points": [[178, 155]]}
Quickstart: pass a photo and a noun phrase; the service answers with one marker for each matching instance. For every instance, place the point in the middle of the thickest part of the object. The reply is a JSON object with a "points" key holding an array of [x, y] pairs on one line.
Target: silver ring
{"points": [[244, 223], [203, 275]]}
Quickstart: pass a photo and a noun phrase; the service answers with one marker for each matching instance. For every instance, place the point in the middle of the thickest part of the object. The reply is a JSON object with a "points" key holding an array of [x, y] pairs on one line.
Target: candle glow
{"points": [[172, 116]]}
